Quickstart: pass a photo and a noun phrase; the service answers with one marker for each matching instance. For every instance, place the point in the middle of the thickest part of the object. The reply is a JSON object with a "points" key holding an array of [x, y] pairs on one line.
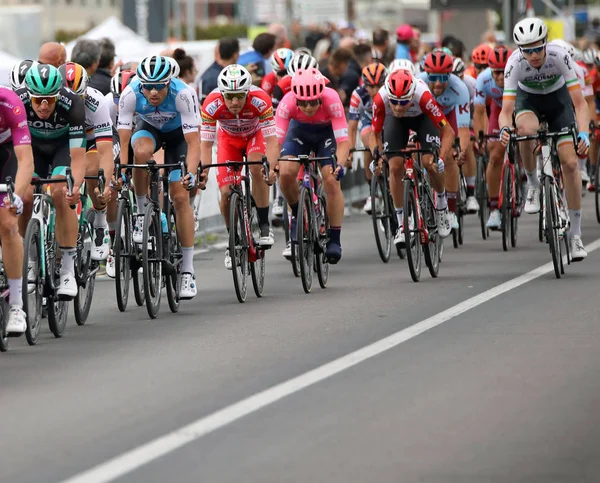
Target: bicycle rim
{"points": [[321, 258], [482, 198], [123, 248], [432, 251], [380, 214], [172, 252], [305, 239], [597, 189], [33, 286], [152, 260], [541, 215], [238, 247], [552, 225], [3, 322], [506, 207], [57, 309], [83, 269], [413, 239], [257, 268]]}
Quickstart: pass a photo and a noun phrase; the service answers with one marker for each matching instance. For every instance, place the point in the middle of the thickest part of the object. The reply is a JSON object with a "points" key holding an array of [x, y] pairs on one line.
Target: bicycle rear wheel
{"points": [[123, 249], [152, 259], [85, 271], [412, 237], [461, 208], [172, 253], [304, 238], [3, 322], [506, 209], [552, 225], [321, 245], [514, 225], [257, 268], [597, 189], [33, 286], [380, 214], [482, 197], [238, 247]]}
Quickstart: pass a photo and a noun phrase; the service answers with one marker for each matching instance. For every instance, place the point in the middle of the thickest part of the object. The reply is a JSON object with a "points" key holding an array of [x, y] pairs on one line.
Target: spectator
{"points": [[280, 33], [404, 36], [336, 68], [53, 53], [415, 45], [255, 60], [86, 53], [381, 43], [130, 66], [227, 53], [593, 31], [362, 56], [187, 67], [103, 75], [455, 45], [296, 37], [351, 78]]}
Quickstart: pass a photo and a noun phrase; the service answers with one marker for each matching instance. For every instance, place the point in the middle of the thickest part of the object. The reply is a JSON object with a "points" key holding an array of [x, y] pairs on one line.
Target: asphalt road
{"points": [[503, 387]]}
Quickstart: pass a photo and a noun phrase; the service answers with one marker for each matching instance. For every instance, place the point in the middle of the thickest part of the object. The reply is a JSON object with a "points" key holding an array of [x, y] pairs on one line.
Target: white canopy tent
{"points": [[7, 62]]}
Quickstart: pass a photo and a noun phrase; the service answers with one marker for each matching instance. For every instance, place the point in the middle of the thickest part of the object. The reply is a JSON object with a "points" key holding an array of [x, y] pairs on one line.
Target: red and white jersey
{"points": [[585, 79], [422, 102], [256, 114]]}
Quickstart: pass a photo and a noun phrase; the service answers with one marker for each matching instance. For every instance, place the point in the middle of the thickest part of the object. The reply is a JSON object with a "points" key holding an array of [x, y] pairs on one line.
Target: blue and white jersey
{"points": [[455, 98], [487, 87], [361, 106], [179, 109]]}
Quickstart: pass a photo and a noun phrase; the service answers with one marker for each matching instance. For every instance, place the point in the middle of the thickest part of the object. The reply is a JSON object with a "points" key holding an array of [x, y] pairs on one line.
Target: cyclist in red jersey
{"points": [[246, 123], [279, 62]]}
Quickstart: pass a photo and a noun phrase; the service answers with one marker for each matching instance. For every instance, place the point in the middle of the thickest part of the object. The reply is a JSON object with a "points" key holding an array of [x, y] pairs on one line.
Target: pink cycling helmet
{"points": [[308, 84], [404, 33]]}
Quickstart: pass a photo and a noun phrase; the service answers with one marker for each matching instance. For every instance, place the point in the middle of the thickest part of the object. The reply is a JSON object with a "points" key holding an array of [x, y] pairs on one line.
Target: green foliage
{"points": [[68, 35], [218, 31]]}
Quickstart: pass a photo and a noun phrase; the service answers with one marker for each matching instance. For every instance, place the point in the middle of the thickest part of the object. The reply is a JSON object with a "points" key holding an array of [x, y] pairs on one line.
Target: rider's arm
{"points": [[509, 95], [582, 113], [21, 139], [187, 106], [266, 122], [354, 112], [432, 109], [127, 104], [463, 116], [338, 123], [103, 134], [479, 104], [285, 111], [77, 141], [376, 138]]}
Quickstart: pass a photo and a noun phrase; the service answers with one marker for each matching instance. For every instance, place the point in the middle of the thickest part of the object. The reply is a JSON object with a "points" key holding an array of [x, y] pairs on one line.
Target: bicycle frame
{"points": [[509, 163]]}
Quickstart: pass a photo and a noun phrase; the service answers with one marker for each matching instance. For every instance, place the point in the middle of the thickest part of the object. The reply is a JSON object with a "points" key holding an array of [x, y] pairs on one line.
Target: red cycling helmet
{"points": [[480, 54], [438, 63], [400, 85], [374, 74], [498, 58], [120, 81]]}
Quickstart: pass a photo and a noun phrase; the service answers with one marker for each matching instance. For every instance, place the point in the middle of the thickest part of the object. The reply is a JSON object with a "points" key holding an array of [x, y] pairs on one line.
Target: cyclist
{"points": [[479, 55], [16, 161], [246, 124], [299, 61], [99, 149], [539, 79], [452, 95], [311, 118], [361, 110], [18, 73], [406, 104], [404, 64], [167, 111], [279, 62], [56, 119], [490, 85]]}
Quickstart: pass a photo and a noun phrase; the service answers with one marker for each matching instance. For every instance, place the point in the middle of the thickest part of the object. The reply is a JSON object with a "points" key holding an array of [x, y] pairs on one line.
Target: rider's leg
{"points": [[494, 173]]}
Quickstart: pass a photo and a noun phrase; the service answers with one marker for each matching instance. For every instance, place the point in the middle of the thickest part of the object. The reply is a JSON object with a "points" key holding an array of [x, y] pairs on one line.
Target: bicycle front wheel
{"points": [[33, 285], [412, 236], [3, 322], [152, 259], [123, 249], [305, 239], [57, 309], [257, 268], [321, 245], [238, 246], [482, 198], [597, 189], [461, 208], [432, 250], [380, 214], [552, 224], [85, 271], [172, 253], [506, 211]]}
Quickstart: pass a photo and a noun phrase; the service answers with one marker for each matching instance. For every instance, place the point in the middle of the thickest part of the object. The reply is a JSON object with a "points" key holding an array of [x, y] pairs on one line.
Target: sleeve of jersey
{"points": [[187, 106], [17, 122], [266, 119], [208, 126], [77, 124], [338, 116], [127, 104], [355, 107], [510, 79], [102, 122], [282, 118], [378, 114], [480, 91], [432, 109], [569, 73], [463, 106]]}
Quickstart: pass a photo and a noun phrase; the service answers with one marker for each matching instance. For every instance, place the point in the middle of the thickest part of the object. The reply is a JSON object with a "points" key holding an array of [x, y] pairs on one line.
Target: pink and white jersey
{"points": [[13, 119], [331, 112]]}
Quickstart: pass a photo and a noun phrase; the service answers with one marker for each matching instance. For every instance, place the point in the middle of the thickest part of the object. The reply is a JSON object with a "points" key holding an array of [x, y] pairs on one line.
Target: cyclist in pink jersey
{"points": [[16, 161], [311, 118]]}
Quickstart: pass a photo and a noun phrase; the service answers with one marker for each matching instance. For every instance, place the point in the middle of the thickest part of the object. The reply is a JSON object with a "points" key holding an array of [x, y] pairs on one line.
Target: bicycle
{"points": [[420, 223], [312, 226], [481, 188], [511, 200], [554, 213], [458, 235], [7, 188], [244, 229]]}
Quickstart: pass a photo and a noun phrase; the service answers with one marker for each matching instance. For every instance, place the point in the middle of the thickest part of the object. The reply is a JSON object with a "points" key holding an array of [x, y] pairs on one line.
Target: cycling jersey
{"points": [[556, 72], [178, 110], [361, 106], [268, 83], [454, 102], [281, 89], [13, 120], [584, 78], [98, 125], [471, 84], [471, 72], [487, 88]]}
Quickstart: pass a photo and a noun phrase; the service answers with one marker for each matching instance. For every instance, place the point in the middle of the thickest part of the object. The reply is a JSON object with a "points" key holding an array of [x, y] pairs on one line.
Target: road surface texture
{"points": [[487, 374]]}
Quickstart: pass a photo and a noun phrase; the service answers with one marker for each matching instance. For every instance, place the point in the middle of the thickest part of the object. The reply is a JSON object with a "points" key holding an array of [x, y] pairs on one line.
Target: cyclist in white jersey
{"points": [[539, 79]]}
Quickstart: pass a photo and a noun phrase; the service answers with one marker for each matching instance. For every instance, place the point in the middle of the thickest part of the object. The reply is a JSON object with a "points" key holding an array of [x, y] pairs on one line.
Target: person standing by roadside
{"points": [[227, 53]]}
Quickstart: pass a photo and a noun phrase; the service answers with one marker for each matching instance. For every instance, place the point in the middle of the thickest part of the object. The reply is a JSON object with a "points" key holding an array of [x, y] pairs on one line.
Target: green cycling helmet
{"points": [[43, 80]]}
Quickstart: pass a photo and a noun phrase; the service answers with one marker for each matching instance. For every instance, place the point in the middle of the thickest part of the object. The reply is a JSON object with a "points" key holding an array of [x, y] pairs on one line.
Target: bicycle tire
{"points": [[152, 259], [57, 309], [33, 298], [506, 209], [238, 247], [381, 219], [172, 252], [138, 279], [541, 215], [552, 225], [3, 321], [84, 264], [461, 208], [597, 189], [304, 238], [482, 197], [413, 237], [322, 240], [258, 267], [432, 250], [122, 250]]}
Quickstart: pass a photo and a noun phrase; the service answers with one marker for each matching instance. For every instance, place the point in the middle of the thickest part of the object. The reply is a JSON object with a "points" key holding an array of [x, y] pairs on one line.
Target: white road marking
{"points": [[142, 455]]}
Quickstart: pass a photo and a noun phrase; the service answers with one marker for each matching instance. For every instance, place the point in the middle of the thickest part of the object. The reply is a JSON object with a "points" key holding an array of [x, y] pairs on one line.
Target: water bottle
{"points": [[164, 224]]}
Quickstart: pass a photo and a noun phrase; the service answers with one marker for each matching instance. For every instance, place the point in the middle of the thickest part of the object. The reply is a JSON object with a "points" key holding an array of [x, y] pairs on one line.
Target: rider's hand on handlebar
{"points": [[103, 198], [202, 180], [505, 133], [74, 198]]}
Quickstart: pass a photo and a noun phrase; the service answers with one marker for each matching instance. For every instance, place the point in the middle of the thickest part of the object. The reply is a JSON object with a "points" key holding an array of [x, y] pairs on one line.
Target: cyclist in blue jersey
{"points": [[167, 112]]}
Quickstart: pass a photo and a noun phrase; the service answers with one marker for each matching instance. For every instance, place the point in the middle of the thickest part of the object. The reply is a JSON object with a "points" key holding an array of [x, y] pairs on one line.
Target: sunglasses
{"points": [[39, 100], [480, 66], [158, 86], [438, 78], [400, 103], [533, 50], [497, 71], [312, 103], [230, 96]]}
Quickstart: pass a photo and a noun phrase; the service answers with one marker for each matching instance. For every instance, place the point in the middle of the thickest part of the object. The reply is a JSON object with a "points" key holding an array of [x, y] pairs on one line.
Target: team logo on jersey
{"points": [[495, 90], [17, 110], [567, 61], [508, 72], [464, 109], [433, 108], [258, 103], [214, 106]]}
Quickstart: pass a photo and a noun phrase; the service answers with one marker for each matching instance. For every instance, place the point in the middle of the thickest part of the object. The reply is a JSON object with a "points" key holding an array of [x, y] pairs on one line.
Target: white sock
{"points": [[68, 259], [100, 218], [15, 286], [583, 164], [470, 181], [187, 260], [192, 201], [575, 216], [399, 215], [442, 201], [141, 201], [532, 179]]}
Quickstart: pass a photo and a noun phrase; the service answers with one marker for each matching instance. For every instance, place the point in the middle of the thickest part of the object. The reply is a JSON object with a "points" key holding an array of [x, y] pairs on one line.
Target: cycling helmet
{"points": [[401, 85], [308, 84], [301, 61], [438, 63], [234, 78], [374, 74], [403, 64], [590, 56], [376, 54], [174, 67], [74, 77], [445, 50], [155, 69], [17, 75], [529, 30], [498, 58], [120, 81], [458, 66], [480, 54], [577, 55], [43, 80], [570, 48], [281, 59], [404, 33]]}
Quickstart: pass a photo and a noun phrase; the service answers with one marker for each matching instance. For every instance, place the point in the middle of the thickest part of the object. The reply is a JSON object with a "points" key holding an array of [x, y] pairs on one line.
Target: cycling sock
{"points": [[263, 216], [583, 164], [100, 218], [15, 286], [335, 234], [111, 233], [442, 201], [494, 202], [192, 201], [141, 201], [575, 216], [294, 209], [187, 259], [452, 201], [470, 183], [68, 259], [532, 178], [112, 226], [399, 215], [277, 190]]}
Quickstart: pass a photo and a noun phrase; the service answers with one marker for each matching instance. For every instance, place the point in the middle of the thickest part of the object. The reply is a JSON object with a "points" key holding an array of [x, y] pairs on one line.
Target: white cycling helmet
{"points": [[234, 78], [17, 75], [578, 55], [590, 56], [174, 67], [458, 66], [302, 61], [529, 31], [154, 69], [403, 64], [566, 45]]}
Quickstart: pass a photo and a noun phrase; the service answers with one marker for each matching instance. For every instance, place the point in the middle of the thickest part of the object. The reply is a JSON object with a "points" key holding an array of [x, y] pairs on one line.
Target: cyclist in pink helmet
{"points": [[404, 36], [308, 85]]}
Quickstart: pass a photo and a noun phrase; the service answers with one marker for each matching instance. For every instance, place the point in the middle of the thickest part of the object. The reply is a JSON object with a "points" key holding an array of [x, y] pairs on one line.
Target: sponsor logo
{"points": [[433, 108], [258, 103], [432, 139], [22, 124], [299, 141], [495, 90], [188, 127], [45, 125], [336, 110], [185, 99], [464, 109], [211, 109], [6, 104], [328, 142], [25, 138], [65, 100], [508, 73], [479, 93], [567, 61]]}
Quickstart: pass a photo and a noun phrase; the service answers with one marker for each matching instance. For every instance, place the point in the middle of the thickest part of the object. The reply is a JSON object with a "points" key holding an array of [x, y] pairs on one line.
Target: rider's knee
{"points": [[332, 185], [8, 224], [287, 178], [570, 164]]}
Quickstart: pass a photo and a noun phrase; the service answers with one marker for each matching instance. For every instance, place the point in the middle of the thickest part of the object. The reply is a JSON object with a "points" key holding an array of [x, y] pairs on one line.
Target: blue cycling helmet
{"points": [[155, 68], [281, 59]]}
